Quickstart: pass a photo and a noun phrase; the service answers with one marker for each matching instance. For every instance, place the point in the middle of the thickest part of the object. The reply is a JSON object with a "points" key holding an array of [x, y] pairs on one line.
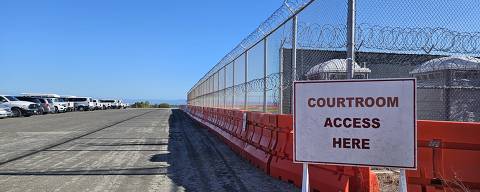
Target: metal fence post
{"points": [[215, 88], [210, 88], [264, 106], [233, 84], [350, 38], [213, 91], [225, 86], [203, 94], [208, 92], [245, 83], [294, 52], [294, 61], [280, 91]]}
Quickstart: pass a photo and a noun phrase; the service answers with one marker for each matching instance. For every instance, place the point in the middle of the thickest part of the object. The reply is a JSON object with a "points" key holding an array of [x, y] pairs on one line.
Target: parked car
{"points": [[98, 105], [70, 105], [59, 106], [82, 103], [47, 107], [40, 108], [19, 108], [108, 103], [5, 111]]}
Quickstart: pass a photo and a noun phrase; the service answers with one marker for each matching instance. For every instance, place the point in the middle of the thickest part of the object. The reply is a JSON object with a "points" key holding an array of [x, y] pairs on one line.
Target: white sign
{"points": [[356, 122]]}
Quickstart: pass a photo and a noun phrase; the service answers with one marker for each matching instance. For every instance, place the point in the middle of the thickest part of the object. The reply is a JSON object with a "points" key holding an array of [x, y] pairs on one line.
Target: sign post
{"points": [[305, 179], [355, 123], [403, 181]]}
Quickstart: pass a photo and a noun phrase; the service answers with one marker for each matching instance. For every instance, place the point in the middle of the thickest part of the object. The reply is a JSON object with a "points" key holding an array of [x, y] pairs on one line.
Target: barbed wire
{"points": [[389, 38], [370, 38], [282, 14]]}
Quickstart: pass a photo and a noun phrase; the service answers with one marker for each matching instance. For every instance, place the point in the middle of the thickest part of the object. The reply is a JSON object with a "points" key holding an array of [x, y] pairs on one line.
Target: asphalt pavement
{"points": [[121, 150]]}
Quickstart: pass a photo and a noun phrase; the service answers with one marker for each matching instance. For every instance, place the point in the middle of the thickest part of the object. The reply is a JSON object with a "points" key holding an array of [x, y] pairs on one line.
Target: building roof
{"points": [[445, 63], [335, 65]]}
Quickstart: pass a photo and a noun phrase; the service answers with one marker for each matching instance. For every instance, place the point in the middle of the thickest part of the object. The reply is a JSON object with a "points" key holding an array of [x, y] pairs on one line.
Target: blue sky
{"points": [[152, 49], [118, 48]]}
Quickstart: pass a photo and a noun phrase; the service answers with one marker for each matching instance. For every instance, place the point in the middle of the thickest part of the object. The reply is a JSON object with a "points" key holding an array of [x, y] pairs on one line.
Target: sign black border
{"points": [[414, 80]]}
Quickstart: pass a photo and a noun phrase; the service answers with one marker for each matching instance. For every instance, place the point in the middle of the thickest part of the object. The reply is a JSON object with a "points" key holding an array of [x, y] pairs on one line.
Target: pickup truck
{"points": [[18, 108]]}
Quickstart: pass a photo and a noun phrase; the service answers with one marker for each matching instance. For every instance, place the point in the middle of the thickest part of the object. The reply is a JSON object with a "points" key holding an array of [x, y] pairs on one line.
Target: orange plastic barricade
{"points": [[229, 126], [329, 178], [224, 125], [210, 119], [220, 118], [213, 116], [254, 153], [267, 142], [322, 177], [362, 179], [223, 119], [282, 166], [269, 136], [234, 121], [247, 134], [448, 157], [219, 123], [258, 126], [237, 142], [217, 117]]}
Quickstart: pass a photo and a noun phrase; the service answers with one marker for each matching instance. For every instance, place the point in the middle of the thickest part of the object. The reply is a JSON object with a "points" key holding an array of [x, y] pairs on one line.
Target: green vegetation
{"points": [[163, 105], [146, 104]]}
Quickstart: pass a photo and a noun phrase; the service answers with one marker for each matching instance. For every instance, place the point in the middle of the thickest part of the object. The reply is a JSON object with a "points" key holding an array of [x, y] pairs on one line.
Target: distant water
{"points": [[157, 101]]}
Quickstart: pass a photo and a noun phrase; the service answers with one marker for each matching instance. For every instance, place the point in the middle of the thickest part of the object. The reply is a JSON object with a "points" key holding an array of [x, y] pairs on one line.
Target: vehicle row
{"points": [[27, 105]]}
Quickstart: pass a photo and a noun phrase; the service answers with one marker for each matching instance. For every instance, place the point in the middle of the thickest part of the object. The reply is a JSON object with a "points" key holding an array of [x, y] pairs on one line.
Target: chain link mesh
{"points": [[437, 42]]}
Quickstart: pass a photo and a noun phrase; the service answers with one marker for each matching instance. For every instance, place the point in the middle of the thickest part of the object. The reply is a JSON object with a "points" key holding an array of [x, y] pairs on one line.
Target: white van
{"points": [[82, 103]]}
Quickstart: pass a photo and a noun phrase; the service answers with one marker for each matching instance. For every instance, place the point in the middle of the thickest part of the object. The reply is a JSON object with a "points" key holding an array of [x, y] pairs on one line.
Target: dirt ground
{"points": [[388, 179]]}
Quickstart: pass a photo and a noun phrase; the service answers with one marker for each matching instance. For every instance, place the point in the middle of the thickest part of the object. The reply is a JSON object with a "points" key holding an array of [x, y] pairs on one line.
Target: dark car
{"points": [[40, 108]]}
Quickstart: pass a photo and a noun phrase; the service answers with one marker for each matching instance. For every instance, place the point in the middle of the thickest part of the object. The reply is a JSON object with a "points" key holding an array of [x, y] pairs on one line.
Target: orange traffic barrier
{"points": [[247, 134], [448, 157], [237, 142], [282, 166], [325, 178], [267, 142], [229, 126], [268, 138], [253, 151]]}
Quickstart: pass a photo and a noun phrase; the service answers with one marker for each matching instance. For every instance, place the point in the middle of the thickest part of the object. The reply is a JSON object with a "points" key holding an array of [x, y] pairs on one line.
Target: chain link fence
{"points": [[437, 42]]}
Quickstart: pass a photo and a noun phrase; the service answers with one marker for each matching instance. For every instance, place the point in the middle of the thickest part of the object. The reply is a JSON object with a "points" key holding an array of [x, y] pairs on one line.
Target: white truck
{"points": [[18, 108], [60, 106], [82, 103], [98, 105], [108, 103]]}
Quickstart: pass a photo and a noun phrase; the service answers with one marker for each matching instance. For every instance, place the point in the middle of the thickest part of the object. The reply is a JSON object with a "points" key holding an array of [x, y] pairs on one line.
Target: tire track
{"points": [[223, 170], [47, 147], [192, 154]]}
